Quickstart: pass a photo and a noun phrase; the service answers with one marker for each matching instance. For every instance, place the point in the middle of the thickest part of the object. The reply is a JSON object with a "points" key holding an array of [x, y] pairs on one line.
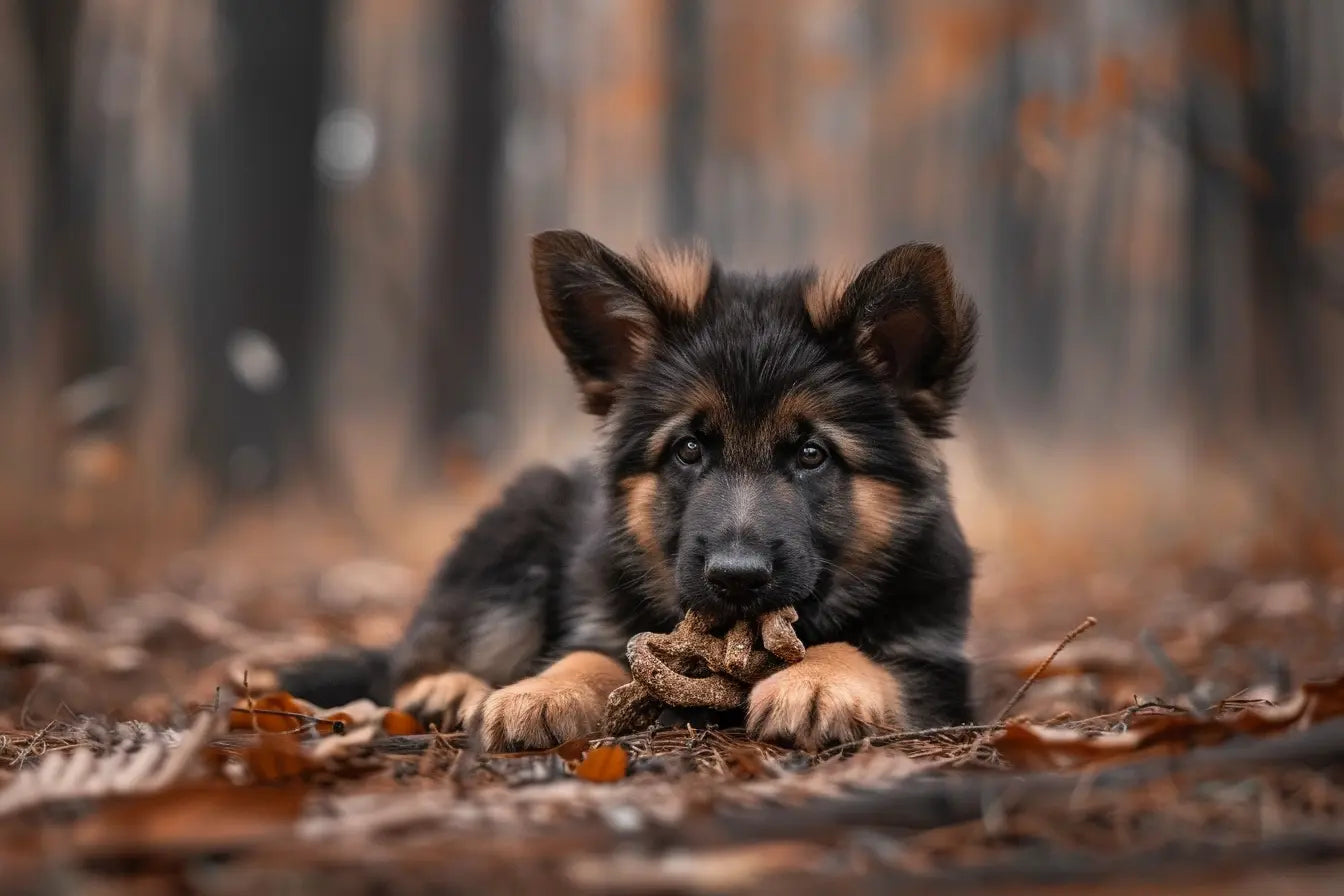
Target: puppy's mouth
{"points": [[729, 607]]}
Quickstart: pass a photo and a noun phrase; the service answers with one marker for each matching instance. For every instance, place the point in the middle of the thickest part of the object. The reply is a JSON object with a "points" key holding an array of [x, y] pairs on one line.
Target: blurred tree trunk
{"points": [[684, 116], [459, 368], [21, 393], [258, 222], [66, 285], [68, 336], [1287, 391]]}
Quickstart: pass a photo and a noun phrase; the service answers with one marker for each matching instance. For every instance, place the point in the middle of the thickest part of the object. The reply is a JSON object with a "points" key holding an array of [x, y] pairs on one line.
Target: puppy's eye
{"points": [[811, 456], [688, 451]]}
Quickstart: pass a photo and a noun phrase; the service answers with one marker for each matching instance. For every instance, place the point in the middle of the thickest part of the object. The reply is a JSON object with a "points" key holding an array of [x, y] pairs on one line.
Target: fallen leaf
{"points": [[208, 816], [275, 713], [1029, 746], [748, 763], [397, 722], [1041, 748], [572, 750], [277, 757], [603, 764]]}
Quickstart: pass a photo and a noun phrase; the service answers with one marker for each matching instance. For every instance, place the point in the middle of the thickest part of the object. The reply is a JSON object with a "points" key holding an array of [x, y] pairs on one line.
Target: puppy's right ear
{"points": [[603, 310]]}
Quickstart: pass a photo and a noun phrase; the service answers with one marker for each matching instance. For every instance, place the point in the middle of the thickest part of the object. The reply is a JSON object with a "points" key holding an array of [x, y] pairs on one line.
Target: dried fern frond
{"points": [[91, 771]]}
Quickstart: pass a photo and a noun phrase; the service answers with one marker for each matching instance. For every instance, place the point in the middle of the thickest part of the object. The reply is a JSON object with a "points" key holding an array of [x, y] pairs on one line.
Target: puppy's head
{"points": [[769, 439]]}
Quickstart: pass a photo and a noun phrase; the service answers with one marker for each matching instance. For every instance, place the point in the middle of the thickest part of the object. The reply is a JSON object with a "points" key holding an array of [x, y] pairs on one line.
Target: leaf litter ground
{"points": [[1192, 739]]}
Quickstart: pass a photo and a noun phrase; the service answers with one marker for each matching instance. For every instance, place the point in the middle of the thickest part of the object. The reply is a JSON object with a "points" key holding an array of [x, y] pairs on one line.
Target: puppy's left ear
{"points": [[908, 320]]}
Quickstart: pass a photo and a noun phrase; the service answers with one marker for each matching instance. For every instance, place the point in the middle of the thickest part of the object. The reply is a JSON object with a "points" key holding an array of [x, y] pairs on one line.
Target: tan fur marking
{"points": [[836, 694], [448, 699], [640, 493], [850, 448], [822, 296], [658, 441], [754, 441], [814, 407], [877, 510], [682, 271], [705, 398], [563, 702]]}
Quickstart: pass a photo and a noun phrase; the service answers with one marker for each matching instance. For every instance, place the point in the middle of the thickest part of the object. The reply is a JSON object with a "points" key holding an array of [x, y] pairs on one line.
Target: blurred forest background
{"points": [[258, 256]]}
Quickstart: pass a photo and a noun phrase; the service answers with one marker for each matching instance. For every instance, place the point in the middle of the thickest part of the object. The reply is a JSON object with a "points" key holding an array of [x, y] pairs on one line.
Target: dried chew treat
{"points": [[778, 635], [692, 667]]}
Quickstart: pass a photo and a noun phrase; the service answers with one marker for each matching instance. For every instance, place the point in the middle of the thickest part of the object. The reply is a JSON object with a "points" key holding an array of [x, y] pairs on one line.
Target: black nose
{"points": [[738, 570]]}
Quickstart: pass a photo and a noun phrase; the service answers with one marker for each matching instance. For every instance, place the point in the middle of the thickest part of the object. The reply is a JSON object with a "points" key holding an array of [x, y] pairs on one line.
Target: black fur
{"points": [[741, 520]]}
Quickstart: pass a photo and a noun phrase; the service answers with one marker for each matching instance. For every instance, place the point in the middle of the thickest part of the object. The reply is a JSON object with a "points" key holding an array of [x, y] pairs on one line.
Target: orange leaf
{"points": [[572, 750], [276, 713], [277, 758], [397, 722], [603, 764]]}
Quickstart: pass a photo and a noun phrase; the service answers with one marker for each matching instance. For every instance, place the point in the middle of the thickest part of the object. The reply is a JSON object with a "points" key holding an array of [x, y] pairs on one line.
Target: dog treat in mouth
{"points": [[693, 667]]}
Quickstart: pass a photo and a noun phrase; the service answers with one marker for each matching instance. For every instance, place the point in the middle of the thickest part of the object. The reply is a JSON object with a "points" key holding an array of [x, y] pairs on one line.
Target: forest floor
{"points": [[1191, 740]]}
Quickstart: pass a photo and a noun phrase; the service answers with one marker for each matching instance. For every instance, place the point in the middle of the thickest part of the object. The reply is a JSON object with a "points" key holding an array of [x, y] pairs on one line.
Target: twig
{"points": [[883, 740], [975, 746], [1040, 670], [337, 726], [251, 707]]}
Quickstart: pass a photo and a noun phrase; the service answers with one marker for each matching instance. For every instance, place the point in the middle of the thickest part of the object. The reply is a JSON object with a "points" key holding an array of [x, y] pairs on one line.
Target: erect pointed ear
{"points": [[908, 320], [605, 311]]}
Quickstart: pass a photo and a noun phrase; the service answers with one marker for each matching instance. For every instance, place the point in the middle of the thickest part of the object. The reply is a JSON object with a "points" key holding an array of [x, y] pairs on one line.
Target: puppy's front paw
{"points": [[834, 695], [538, 713], [448, 699], [563, 702]]}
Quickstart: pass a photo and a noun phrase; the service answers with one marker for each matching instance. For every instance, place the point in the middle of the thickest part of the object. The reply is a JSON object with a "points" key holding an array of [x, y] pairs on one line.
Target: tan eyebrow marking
{"points": [[658, 441], [850, 448], [756, 440], [813, 407]]}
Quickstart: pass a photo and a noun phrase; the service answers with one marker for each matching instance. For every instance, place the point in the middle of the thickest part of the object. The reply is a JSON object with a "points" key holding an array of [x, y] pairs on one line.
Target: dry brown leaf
{"points": [[747, 763], [1314, 702], [1037, 747], [572, 750], [603, 764], [1029, 746], [209, 816]]}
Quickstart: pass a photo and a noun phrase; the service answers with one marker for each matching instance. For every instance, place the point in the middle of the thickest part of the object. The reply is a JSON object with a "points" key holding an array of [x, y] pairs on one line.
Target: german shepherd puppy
{"points": [[767, 442]]}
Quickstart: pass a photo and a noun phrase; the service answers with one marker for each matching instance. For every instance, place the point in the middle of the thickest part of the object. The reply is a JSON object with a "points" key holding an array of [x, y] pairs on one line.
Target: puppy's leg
{"points": [[835, 694], [935, 690], [462, 644], [563, 702], [483, 622]]}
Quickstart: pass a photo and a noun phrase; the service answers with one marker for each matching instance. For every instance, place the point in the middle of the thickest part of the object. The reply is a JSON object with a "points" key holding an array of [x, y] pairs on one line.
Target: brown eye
{"points": [[811, 456], [688, 451]]}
